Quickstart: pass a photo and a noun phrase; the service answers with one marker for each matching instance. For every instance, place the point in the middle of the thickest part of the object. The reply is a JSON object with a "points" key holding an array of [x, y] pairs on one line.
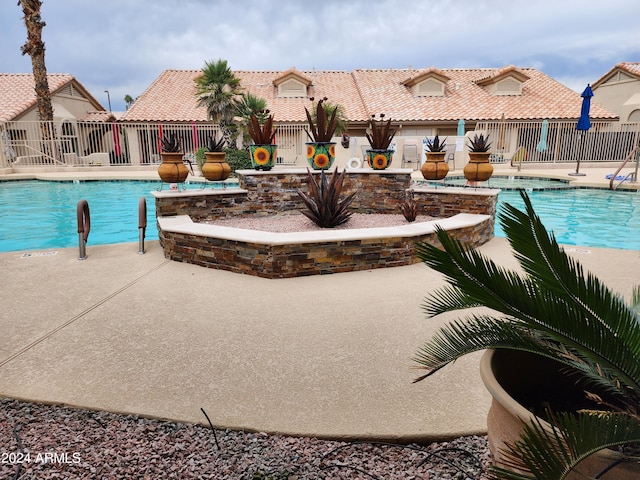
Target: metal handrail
{"points": [[142, 223], [84, 226], [613, 177]]}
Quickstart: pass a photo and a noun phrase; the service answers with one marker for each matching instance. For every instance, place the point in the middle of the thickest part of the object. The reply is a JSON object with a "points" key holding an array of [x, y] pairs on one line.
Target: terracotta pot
{"points": [[263, 157], [172, 169], [479, 169], [510, 374], [321, 155], [379, 159], [435, 168], [215, 168]]}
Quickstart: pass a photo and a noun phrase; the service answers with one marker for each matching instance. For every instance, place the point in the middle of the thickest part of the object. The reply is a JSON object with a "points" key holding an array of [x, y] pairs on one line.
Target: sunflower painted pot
{"points": [[321, 155], [263, 157], [379, 159]]}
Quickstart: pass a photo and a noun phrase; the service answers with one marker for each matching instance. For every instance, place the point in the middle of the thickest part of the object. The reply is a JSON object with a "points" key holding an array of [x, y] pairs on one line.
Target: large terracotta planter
{"points": [[172, 169], [321, 155], [263, 157], [479, 169], [379, 159], [435, 168], [511, 376], [215, 168]]}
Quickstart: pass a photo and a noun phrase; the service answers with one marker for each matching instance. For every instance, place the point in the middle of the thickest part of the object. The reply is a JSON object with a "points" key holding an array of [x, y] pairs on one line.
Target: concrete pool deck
{"points": [[326, 356]]}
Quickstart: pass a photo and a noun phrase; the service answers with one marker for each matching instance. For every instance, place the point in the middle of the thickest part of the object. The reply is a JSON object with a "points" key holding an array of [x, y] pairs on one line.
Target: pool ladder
{"points": [[630, 177], [84, 226]]}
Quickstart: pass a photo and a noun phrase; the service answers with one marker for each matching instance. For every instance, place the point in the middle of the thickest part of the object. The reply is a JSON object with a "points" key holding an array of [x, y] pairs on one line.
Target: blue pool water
{"points": [[39, 215]]}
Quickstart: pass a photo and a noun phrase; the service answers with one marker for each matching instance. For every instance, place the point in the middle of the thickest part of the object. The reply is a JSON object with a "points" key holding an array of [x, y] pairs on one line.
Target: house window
{"points": [[292, 88]]}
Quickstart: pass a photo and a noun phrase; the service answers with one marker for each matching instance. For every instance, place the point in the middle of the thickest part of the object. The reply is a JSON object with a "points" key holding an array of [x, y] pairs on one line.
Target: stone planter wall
{"points": [[275, 193]]}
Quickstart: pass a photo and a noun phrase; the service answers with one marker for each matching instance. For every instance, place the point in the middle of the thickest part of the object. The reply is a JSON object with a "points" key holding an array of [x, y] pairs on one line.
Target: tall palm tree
{"points": [[34, 47], [218, 89], [555, 310]]}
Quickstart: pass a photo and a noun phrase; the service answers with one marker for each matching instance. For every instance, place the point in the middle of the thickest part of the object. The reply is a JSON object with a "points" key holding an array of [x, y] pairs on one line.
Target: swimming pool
{"points": [[39, 215], [510, 182]]}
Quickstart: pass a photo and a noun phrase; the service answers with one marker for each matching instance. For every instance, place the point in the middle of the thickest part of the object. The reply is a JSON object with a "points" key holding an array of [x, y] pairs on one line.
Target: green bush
{"points": [[238, 159], [200, 157]]}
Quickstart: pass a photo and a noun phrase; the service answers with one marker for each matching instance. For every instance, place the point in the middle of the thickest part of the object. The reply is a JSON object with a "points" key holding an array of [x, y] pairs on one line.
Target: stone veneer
{"points": [[469, 214]]}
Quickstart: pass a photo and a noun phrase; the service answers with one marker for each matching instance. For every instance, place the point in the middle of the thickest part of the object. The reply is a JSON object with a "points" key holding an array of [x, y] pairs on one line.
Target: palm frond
{"points": [[552, 453]]}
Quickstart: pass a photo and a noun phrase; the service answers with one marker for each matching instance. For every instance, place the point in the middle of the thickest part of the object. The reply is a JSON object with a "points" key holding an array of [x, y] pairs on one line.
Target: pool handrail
{"points": [[142, 223], [631, 176], [84, 226]]}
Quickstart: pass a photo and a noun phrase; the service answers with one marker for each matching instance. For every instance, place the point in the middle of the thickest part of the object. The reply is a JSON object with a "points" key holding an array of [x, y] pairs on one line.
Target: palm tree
{"points": [[34, 47], [250, 104], [128, 100], [218, 89], [556, 311]]}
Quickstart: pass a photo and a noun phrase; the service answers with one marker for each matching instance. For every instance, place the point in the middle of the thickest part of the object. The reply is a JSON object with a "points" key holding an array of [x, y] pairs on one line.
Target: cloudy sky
{"points": [[123, 45]]}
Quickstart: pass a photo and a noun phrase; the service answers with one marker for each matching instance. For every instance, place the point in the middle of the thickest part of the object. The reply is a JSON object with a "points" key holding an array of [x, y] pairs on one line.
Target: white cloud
{"points": [[123, 46]]}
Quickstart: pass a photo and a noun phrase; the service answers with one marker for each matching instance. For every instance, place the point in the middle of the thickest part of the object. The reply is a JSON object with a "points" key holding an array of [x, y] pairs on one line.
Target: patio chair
{"points": [[450, 157], [410, 154]]}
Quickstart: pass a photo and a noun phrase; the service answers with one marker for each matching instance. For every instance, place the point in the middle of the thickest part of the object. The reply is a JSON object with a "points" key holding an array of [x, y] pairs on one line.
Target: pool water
{"points": [[38, 215], [585, 217], [511, 182]]}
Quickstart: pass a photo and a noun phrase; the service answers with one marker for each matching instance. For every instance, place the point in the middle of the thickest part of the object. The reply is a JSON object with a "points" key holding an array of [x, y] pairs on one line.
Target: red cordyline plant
{"points": [[323, 129], [380, 137], [261, 134]]}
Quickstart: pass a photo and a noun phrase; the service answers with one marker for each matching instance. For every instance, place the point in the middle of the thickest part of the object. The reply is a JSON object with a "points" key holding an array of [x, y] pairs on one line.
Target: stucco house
{"points": [[618, 90], [421, 102], [73, 106]]}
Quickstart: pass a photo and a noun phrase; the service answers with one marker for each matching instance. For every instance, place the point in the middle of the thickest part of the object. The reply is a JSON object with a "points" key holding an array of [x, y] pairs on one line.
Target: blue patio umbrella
{"points": [[542, 144], [584, 123], [461, 128]]}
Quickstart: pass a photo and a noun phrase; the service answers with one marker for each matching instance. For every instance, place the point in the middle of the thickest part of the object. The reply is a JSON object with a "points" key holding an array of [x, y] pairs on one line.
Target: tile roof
{"points": [[170, 98], [17, 93], [630, 68]]}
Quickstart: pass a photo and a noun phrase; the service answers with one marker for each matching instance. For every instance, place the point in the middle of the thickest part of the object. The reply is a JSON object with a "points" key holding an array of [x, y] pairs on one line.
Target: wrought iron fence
{"points": [[70, 143]]}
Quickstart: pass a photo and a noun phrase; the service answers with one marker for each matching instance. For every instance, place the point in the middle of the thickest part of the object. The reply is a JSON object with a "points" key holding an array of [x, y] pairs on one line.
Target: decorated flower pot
{"points": [[215, 168], [479, 169], [379, 159], [263, 157], [172, 169], [321, 155], [435, 168]]}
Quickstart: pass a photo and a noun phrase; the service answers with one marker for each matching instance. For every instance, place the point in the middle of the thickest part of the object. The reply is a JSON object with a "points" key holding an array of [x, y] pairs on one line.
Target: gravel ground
{"points": [[300, 223], [53, 442]]}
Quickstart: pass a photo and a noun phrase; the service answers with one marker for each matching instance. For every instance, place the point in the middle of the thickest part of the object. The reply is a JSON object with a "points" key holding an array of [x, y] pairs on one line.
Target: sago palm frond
{"points": [[580, 313], [551, 453]]}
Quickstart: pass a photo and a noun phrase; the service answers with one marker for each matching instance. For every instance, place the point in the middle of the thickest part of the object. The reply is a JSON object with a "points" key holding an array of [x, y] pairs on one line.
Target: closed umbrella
{"points": [[461, 128], [542, 144], [584, 123]]}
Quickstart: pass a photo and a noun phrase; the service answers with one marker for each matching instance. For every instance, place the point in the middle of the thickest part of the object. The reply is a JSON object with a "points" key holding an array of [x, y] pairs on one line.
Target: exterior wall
{"points": [[274, 193], [615, 95]]}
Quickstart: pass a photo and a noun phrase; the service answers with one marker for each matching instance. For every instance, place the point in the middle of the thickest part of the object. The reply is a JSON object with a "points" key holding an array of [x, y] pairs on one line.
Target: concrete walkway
{"points": [[325, 356]]}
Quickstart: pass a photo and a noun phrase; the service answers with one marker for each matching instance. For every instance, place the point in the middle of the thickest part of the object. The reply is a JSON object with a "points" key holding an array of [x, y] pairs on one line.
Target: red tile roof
{"points": [[630, 68], [170, 98], [17, 92]]}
